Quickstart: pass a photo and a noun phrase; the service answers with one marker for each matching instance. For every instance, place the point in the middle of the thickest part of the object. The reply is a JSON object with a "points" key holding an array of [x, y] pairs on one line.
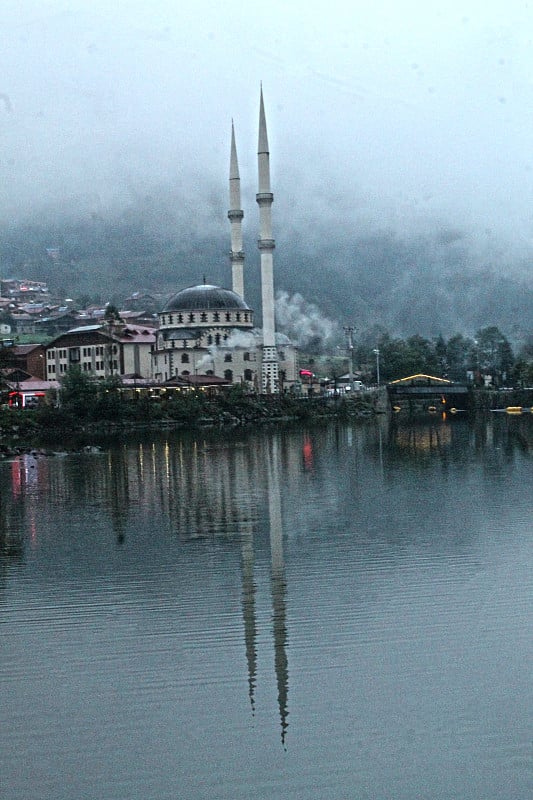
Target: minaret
{"points": [[266, 244], [235, 215]]}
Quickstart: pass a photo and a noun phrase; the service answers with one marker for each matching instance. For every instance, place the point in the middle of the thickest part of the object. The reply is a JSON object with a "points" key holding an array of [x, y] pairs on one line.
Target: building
{"points": [[29, 357], [207, 329], [102, 351]]}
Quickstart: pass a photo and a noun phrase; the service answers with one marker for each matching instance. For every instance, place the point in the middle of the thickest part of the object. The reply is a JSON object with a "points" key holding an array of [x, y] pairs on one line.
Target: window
{"points": [[228, 316], [209, 340], [203, 317], [185, 358], [228, 357], [180, 319], [248, 375], [238, 317], [216, 317], [246, 357], [228, 374], [191, 317], [217, 338]]}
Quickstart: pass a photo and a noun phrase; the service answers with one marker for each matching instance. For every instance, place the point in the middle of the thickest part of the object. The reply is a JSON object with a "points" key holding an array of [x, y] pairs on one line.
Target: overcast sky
{"points": [[381, 113]]}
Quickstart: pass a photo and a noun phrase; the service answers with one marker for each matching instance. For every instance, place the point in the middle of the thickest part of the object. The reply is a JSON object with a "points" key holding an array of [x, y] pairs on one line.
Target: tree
{"points": [[78, 393], [459, 357], [494, 354], [111, 314]]}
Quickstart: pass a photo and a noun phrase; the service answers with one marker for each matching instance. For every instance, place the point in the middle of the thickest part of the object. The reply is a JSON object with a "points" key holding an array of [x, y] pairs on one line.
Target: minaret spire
{"points": [[266, 244], [235, 215]]}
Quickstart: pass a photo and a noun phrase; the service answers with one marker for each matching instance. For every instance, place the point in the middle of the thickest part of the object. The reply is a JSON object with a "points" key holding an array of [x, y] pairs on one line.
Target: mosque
{"points": [[209, 330]]}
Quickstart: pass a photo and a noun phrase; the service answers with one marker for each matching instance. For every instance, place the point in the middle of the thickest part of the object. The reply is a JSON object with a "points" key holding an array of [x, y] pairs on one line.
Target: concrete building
{"points": [[102, 351]]}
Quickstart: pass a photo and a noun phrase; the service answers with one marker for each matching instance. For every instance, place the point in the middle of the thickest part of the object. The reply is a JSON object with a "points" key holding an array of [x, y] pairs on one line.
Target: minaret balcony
{"points": [[264, 198], [266, 244], [235, 214], [236, 255]]}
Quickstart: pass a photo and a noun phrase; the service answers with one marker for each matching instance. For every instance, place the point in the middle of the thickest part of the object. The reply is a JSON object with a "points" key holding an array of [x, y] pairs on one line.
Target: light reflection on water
{"points": [[331, 612]]}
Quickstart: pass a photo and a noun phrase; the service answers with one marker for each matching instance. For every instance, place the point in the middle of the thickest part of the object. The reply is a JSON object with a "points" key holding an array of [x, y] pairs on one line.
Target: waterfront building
{"points": [[207, 329], [102, 351]]}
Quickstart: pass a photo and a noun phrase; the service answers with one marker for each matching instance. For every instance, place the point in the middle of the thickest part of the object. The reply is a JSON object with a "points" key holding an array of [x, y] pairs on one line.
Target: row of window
{"points": [[202, 316], [86, 366], [74, 352], [228, 374]]}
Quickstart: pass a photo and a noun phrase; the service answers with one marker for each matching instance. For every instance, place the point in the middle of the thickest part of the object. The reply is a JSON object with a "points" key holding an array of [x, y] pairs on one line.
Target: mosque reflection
{"points": [[236, 489], [197, 489]]}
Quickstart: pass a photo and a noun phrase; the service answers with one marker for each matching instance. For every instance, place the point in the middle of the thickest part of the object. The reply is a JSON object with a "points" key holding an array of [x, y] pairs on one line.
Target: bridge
{"points": [[426, 393]]}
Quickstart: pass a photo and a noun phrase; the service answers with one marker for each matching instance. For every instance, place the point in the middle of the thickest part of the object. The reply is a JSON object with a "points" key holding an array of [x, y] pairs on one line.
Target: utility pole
{"points": [[376, 353], [349, 331]]}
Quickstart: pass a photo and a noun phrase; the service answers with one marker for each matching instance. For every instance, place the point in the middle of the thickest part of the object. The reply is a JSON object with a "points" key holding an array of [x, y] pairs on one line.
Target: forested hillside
{"points": [[432, 284]]}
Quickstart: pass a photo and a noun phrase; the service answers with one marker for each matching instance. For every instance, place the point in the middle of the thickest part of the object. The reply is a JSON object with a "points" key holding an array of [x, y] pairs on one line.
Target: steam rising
{"points": [[303, 322]]}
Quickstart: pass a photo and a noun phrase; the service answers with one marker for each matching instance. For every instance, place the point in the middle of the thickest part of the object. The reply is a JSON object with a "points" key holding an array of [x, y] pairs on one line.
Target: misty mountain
{"points": [[426, 284]]}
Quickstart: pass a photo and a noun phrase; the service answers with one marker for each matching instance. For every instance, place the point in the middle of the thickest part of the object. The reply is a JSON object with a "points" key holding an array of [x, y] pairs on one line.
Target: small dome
{"points": [[205, 297]]}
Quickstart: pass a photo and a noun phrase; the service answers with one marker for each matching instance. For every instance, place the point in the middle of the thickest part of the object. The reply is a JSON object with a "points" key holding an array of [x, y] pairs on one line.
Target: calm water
{"points": [[327, 613]]}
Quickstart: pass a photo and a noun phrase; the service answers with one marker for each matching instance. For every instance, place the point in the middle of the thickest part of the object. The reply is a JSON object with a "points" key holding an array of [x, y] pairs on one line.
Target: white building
{"points": [[209, 330], [102, 351]]}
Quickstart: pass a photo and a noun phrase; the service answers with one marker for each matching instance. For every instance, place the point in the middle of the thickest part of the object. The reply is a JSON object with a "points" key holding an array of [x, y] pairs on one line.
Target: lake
{"points": [[328, 612]]}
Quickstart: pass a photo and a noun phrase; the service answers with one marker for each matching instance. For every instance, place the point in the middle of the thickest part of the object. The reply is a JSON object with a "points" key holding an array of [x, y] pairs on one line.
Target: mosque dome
{"points": [[205, 297]]}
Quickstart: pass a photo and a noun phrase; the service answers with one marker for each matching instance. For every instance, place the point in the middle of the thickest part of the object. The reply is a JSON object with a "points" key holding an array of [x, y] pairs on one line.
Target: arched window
{"points": [[228, 374], [209, 340], [217, 338], [180, 318], [203, 317], [191, 317], [216, 317]]}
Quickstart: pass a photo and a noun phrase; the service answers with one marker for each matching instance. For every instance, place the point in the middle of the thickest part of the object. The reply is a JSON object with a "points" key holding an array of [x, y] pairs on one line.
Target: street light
{"points": [[376, 353]]}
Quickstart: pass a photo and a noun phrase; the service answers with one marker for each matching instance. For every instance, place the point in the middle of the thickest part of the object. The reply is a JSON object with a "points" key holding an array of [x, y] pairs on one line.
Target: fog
{"points": [[399, 122]]}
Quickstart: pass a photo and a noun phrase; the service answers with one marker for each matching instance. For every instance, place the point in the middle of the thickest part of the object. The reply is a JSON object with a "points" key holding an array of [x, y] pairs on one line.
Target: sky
{"points": [[399, 115]]}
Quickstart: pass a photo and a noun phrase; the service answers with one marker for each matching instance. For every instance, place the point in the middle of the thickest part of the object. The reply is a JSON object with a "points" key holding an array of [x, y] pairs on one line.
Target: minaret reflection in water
{"points": [[278, 588]]}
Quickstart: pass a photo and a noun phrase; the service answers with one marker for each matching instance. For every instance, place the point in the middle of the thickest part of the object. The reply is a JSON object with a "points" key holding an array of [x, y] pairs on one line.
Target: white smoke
{"points": [[303, 322]]}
